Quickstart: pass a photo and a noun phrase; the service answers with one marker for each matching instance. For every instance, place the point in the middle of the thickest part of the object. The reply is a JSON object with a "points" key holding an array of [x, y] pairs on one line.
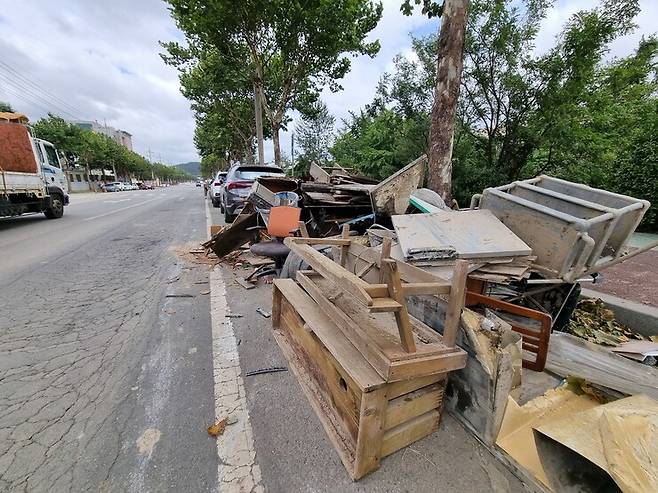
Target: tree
{"points": [[6, 107], [314, 135], [448, 81], [289, 50], [94, 150], [567, 112]]}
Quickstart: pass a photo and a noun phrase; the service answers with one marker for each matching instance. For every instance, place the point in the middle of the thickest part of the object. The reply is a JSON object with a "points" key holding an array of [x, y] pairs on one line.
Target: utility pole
{"points": [[292, 151], [259, 126], [446, 92]]}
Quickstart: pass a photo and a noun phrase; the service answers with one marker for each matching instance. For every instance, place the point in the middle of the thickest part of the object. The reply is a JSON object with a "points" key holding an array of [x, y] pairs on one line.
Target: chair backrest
{"points": [[283, 220]]}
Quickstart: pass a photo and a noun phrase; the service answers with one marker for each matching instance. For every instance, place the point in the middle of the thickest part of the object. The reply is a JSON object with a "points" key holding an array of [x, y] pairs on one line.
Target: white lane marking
{"points": [[237, 470], [119, 210], [116, 201]]}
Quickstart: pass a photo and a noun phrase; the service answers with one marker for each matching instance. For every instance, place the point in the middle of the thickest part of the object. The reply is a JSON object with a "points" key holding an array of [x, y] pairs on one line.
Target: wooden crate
{"points": [[373, 315], [365, 416]]}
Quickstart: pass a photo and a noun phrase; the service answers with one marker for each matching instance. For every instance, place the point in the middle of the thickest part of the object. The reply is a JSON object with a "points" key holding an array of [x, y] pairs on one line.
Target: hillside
{"points": [[191, 167]]}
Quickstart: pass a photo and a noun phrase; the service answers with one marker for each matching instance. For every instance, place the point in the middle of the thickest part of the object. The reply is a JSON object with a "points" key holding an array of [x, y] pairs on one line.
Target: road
{"points": [[106, 384], [117, 352]]}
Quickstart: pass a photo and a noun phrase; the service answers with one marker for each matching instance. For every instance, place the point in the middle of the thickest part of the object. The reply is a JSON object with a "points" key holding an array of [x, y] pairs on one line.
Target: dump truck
{"points": [[31, 176]]}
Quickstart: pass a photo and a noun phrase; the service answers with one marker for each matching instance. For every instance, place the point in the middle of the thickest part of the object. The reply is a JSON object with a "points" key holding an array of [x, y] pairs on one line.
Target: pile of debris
{"points": [[390, 286], [332, 198], [356, 350]]}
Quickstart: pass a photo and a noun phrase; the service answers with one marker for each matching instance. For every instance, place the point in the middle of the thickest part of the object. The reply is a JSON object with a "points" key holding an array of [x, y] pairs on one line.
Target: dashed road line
{"points": [[237, 470], [120, 209]]}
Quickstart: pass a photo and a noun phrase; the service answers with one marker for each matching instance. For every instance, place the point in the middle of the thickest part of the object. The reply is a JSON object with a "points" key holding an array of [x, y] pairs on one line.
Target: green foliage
{"points": [[566, 112], [287, 50], [6, 107], [86, 148]]}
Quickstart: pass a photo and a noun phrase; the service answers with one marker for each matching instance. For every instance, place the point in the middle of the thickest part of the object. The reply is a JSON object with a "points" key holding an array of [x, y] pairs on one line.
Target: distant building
{"points": [[119, 136]]}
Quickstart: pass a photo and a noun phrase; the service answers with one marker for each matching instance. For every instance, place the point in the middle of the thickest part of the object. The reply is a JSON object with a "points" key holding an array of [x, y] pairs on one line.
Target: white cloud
{"points": [[102, 58]]}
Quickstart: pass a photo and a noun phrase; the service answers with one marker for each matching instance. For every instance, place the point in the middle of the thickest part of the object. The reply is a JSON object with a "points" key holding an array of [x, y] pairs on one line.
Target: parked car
{"points": [[239, 179], [216, 186], [115, 186]]}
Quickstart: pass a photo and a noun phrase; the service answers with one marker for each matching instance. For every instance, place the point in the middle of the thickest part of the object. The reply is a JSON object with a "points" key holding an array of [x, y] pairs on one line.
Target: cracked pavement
{"points": [[93, 355]]}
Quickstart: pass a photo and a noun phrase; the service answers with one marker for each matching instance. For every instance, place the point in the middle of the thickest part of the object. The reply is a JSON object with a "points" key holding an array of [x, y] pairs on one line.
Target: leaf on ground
{"points": [[218, 428], [205, 292]]}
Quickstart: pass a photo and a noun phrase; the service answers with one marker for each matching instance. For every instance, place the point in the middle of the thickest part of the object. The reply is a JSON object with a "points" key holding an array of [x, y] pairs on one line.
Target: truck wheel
{"points": [[56, 209]]}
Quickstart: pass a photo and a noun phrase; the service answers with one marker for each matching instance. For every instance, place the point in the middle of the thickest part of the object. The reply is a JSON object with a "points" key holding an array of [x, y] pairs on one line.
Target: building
{"points": [[79, 181], [119, 136]]}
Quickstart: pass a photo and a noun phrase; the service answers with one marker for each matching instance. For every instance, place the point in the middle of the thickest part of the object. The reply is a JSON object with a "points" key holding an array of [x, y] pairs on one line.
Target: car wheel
{"points": [[56, 209], [221, 207], [228, 218], [214, 203]]}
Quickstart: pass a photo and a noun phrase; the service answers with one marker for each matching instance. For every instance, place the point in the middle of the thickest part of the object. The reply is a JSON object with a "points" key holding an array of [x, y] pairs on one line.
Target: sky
{"points": [[99, 60]]}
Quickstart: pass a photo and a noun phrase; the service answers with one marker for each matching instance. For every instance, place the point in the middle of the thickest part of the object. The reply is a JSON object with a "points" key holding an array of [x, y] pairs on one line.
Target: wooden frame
{"points": [[374, 316], [365, 416]]}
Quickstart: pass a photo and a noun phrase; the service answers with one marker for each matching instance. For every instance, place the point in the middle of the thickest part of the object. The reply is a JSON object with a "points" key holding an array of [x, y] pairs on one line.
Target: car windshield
{"points": [[254, 172]]}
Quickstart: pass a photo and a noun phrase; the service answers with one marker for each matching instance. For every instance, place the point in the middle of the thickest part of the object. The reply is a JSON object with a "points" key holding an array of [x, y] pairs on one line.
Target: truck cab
{"points": [[51, 166]]}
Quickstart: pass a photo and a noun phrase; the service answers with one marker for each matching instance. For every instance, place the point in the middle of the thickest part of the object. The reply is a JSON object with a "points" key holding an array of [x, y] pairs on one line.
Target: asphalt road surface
{"points": [[105, 381]]}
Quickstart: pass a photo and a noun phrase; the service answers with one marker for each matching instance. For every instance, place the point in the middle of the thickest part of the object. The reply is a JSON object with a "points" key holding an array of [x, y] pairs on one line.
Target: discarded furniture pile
{"points": [[331, 198], [391, 306], [374, 374]]}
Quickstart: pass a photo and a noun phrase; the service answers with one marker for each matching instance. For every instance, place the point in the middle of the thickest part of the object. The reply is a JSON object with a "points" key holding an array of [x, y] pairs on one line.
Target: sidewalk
{"points": [[634, 279]]}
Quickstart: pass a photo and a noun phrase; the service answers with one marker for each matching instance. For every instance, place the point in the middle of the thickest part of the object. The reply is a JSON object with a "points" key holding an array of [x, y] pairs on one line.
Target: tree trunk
{"points": [[448, 78], [277, 144]]}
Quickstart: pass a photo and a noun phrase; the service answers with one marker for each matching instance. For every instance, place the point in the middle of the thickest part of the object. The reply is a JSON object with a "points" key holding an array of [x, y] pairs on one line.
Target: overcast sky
{"points": [[98, 60]]}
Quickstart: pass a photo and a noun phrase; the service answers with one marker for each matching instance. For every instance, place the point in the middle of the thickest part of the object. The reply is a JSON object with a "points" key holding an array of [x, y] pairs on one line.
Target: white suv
{"points": [[216, 188]]}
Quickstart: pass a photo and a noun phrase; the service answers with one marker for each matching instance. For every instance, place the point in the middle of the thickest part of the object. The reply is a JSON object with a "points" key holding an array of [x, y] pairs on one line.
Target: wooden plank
{"points": [[396, 389], [418, 288], [409, 432], [276, 303], [391, 196], [303, 230], [318, 174], [341, 442], [382, 305], [401, 315], [428, 365], [352, 332], [473, 233], [456, 303], [332, 271], [371, 432], [345, 235], [408, 273], [244, 283], [380, 328], [571, 355], [333, 339], [409, 406], [336, 385], [321, 241]]}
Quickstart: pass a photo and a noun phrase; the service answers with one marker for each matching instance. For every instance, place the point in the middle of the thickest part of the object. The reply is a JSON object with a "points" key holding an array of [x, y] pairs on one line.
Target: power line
{"points": [[32, 83], [36, 97], [17, 94]]}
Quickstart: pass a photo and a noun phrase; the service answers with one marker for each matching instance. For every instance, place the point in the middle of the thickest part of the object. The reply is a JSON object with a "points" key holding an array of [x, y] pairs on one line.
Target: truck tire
{"points": [[56, 209]]}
